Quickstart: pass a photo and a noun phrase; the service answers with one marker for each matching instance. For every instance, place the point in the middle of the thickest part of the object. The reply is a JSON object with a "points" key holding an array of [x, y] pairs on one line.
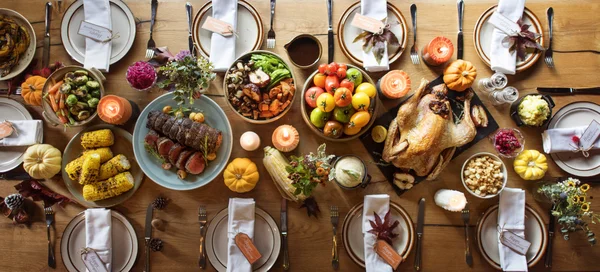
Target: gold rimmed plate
{"points": [[347, 33], [12, 156], [250, 30], [482, 37], [352, 235], [487, 236]]}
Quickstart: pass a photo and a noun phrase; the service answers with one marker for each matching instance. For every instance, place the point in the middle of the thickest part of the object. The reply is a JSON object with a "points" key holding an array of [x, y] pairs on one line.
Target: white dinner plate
{"points": [[482, 37], [123, 24], [352, 235], [347, 33], [487, 236], [250, 29], [12, 156], [577, 114], [25, 58], [124, 243], [266, 239]]}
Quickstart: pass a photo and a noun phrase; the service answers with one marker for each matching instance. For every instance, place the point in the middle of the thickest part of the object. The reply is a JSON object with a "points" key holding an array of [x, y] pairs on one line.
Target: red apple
{"points": [[311, 96]]}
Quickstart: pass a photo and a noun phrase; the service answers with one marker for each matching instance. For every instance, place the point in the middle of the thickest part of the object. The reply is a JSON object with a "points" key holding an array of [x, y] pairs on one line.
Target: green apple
{"points": [[355, 76], [318, 117], [343, 115]]}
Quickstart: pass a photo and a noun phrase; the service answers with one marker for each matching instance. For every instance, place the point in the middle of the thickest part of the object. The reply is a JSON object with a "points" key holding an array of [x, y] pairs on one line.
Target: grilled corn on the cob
{"points": [[276, 165], [111, 187], [97, 138], [90, 169], [114, 166], [73, 168]]}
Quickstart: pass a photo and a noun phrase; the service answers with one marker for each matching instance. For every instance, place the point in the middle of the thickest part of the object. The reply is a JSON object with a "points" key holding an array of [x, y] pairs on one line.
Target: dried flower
{"points": [[304, 172], [522, 40], [376, 42], [575, 139], [384, 229]]}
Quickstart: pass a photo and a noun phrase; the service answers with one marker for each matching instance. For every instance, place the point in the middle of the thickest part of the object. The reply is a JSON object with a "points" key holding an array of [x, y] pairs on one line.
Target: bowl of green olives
{"points": [[71, 95]]}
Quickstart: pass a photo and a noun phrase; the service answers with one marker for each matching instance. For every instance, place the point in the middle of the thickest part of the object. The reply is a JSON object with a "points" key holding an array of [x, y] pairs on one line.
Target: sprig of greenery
{"points": [[309, 170]]}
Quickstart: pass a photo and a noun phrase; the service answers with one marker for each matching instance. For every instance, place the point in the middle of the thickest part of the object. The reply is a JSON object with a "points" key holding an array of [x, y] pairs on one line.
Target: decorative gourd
{"points": [[31, 90], [241, 175], [42, 161], [530, 165], [460, 75]]}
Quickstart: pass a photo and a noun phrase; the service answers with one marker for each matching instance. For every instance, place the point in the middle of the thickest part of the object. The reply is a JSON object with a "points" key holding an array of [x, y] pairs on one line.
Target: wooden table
{"points": [[576, 27]]}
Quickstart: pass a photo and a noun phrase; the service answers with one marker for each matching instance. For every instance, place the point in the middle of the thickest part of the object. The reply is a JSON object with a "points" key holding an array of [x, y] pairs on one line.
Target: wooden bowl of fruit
{"points": [[260, 87], [339, 101]]}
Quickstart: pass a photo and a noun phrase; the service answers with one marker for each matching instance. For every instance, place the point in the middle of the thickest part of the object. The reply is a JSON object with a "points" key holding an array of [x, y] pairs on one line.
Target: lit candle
{"points": [[450, 200], [438, 51], [285, 138], [250, 141], [113, 109]]}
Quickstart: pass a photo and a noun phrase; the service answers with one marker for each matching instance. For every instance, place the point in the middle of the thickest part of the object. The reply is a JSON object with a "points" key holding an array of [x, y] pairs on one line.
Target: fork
{"points": [[414, 51], [548, 54], [335, 259], [202, 220], [271, 33], [466, 217], [151, 44], [49, 220]]}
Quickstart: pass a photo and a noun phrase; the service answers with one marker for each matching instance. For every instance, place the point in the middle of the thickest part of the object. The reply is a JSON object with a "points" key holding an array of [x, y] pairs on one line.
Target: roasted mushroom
{"points": [[253, 91]]}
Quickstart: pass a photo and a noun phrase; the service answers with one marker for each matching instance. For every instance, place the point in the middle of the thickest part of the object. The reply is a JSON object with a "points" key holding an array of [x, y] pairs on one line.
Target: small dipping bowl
{"points": [[304, 51], [366, 178]]}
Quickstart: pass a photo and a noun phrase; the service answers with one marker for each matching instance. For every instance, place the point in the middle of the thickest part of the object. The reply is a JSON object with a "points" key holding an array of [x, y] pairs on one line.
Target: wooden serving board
{"points": [[376, 149]]}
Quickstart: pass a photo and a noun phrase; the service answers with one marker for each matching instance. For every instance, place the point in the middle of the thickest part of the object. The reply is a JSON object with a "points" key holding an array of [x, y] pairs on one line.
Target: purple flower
{"points": [[182, 54], [563, 195]]}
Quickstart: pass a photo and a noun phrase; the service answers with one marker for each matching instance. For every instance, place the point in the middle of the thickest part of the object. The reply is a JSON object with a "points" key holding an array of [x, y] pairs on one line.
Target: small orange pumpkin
{"points": [[31, 90], [460, 75]]}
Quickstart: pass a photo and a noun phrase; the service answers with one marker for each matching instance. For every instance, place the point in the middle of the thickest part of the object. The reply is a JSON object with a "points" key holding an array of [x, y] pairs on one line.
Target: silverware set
{"points": [[548, 54], [271, 33], [335, 218], [466, 217], [414, 51], [203, 225], [49, 221], [151, 44]]}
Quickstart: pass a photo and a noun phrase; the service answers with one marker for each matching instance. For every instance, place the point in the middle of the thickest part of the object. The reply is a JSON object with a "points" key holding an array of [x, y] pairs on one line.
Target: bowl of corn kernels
{"points": [[484, 175]]}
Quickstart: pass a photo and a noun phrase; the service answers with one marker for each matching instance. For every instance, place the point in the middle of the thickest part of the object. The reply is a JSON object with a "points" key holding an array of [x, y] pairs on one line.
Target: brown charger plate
{"points": [[343, 38], [483, 33], [122, 145], [352, 236]]}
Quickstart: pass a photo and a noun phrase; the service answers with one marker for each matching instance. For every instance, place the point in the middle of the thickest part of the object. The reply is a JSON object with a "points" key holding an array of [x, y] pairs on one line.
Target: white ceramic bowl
{"points": [[504, 172]]}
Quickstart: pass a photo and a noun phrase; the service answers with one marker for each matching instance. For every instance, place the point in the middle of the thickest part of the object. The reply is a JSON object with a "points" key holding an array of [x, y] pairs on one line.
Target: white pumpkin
{"points": [[42, 161]]}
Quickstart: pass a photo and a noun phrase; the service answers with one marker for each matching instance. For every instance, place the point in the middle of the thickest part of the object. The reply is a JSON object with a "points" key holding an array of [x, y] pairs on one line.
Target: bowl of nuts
{"points": [[260, 87], [484, 175]]}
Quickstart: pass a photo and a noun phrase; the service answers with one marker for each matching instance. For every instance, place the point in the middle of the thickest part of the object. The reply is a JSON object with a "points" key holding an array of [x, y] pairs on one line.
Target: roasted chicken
{"points": [[423, 136]]}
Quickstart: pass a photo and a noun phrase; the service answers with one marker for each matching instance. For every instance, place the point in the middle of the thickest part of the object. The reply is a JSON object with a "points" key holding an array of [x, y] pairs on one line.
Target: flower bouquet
{"points": [[571, 207]]}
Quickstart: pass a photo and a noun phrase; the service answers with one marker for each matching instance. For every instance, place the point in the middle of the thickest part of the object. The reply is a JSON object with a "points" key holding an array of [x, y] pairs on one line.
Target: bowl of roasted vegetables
{"points": [[17, 44], [260, 87], [71, 95], [99, 167], [339, 102]]}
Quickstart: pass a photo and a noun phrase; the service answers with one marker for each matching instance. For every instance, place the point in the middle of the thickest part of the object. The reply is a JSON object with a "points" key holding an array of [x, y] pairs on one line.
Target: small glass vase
{"points": [[539, 197]]}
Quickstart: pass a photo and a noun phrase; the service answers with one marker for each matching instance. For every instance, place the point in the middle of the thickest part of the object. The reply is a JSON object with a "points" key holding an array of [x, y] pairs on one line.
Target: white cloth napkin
{"points": [[511, 216], [240, 220], [379, 204], [502, 59], [97, 54], [561, 139], [376, 9], [98, 234], [29, 133], [222, 49]]}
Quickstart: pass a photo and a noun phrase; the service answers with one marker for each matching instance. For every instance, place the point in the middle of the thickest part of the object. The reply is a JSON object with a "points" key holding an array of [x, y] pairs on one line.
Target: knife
{"points": [[329, 33], [148, 235], [286, 258], [461, 10], [548, 258], [188, 9], [46, 54], [593, 90], [420, 222]]}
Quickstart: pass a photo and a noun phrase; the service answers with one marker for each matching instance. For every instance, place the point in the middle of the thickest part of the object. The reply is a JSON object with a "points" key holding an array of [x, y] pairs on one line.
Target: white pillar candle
{"points": [[450, 200], [250, 141]]}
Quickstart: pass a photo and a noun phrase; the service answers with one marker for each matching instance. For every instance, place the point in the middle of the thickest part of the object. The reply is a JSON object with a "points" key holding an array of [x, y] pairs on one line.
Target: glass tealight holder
{"points": [[496, 81]]}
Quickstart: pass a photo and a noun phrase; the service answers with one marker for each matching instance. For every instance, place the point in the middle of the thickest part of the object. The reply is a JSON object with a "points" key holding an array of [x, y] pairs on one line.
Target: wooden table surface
{"points": [[576, 27]]}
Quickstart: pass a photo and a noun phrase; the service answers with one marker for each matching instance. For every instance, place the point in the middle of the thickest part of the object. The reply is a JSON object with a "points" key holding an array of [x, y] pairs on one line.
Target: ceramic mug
{"points": [[366, 179], [298, 48]]}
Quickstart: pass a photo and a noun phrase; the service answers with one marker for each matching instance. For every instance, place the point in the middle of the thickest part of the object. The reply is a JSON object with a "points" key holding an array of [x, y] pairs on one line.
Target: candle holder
{"points": [[285, 138], [114, 109], [249, 141]]}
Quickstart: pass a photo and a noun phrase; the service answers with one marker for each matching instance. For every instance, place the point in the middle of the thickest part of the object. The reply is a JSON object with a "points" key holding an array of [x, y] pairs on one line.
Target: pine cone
{"points": [[14, 201], [160, 203], [156, 244]]}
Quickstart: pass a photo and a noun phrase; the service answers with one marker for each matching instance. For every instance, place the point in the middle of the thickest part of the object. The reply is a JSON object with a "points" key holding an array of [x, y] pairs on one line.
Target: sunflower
{"points": [[575, 199], [581, 198], [570, 183], [585, 207], [585, 187]]}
